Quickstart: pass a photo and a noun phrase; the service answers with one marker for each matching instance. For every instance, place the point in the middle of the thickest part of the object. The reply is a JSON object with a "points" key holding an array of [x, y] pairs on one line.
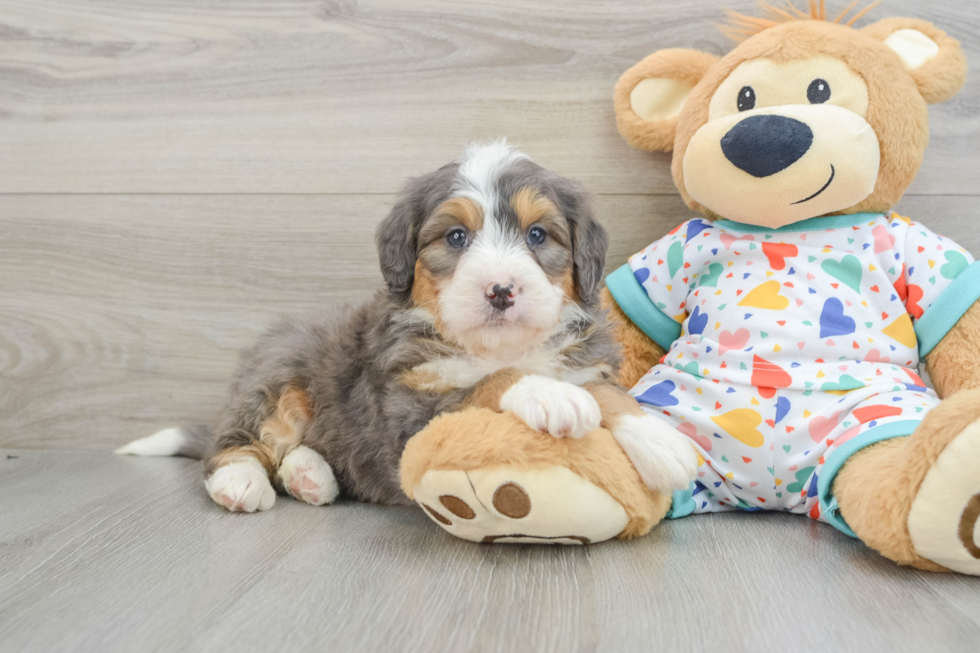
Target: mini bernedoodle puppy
{"points": [[493, 267]]}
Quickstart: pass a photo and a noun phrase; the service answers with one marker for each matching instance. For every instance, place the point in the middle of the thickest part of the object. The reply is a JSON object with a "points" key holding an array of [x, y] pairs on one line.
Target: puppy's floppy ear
{"points": [[650, 95], [589, 239], [933, 58], [397, 235]]}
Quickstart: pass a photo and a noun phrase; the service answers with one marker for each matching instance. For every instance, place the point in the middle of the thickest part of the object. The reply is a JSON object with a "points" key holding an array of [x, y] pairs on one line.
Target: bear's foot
{"points": [[943, 522], [488, 477], [500, 504], [916, 499]]}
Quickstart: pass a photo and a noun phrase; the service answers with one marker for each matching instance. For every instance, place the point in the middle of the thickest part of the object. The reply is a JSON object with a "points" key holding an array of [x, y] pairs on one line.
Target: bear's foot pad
{"points": [[548, 505], [944, 522]]}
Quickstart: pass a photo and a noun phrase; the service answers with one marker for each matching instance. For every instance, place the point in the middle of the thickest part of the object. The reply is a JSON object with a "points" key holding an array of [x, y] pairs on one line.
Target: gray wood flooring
{"points": [[124, 554], [175, 173]]}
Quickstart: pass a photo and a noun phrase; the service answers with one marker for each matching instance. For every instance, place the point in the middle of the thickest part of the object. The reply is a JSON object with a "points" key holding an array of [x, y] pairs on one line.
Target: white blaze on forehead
{"points": [[496, 255], [480, 168]]}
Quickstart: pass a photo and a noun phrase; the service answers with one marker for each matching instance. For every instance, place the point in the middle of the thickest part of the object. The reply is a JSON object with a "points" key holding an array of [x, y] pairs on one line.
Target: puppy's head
{"points": [[495, 247]]}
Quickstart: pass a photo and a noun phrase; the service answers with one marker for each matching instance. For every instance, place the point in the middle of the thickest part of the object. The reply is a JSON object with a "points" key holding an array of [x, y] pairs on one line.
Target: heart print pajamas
{"points": [[788, 350]]}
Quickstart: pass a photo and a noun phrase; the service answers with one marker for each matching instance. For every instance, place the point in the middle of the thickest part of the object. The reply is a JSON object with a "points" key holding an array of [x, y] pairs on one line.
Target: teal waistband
{"points": [[828, 502], [635, 302], [947, 310]]}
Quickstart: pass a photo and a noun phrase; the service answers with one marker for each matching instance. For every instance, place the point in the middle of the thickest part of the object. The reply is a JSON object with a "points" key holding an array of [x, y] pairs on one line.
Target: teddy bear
{"points": [[782, 328]]}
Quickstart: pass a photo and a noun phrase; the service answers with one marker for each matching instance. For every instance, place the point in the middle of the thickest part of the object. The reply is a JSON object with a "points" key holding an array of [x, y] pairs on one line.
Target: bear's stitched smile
{"points": [[807, 199]]}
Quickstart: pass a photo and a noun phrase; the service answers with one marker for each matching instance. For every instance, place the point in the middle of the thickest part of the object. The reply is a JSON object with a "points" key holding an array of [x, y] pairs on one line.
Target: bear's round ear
{"points": [[933, 58], [650, 95]]}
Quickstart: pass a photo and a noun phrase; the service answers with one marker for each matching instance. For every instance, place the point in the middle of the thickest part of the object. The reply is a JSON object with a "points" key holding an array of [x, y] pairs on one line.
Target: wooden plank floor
{"points": [[125, 554], [175, 173]]}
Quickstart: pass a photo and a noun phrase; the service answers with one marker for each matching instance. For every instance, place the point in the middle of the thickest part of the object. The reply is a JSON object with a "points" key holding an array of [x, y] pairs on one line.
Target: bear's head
{"points": [[805, 117]]}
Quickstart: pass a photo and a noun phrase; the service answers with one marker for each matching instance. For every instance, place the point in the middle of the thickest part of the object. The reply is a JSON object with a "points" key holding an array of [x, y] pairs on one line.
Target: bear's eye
{"points": [[746, 99], [818, 92]]}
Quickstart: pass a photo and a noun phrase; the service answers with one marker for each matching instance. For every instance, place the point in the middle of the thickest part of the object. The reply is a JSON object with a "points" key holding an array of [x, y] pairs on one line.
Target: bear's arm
{"points": [[640, 353], [954, 364]]}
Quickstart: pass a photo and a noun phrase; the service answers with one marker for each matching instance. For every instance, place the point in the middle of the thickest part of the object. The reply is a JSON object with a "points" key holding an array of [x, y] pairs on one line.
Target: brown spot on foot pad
{"points": [[457, 506], [968, 522], [511, 500], [439, 518]]}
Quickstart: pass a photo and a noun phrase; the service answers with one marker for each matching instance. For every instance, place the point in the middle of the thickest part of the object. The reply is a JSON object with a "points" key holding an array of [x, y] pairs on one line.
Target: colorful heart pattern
{"points": [[742, 424], [765, 295], [728, 340], [833, 321], [791, 344]]}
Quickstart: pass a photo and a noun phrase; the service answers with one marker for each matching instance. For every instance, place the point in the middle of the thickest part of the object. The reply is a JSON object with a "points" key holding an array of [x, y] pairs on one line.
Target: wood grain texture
{"points": [[124, 314], [176, 173], [204, 96], [123, 554]]}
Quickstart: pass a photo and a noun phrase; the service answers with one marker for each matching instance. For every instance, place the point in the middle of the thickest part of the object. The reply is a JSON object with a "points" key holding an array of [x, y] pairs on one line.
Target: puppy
{"points": [[493, 267]]}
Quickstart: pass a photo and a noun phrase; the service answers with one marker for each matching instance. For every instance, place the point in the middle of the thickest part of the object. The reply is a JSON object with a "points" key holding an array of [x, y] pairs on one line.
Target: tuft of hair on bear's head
{"points": [[742, 26]]}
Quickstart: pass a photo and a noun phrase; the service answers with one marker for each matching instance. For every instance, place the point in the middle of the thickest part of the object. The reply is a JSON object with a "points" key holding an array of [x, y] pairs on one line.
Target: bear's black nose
{"points": [[764, 145]]}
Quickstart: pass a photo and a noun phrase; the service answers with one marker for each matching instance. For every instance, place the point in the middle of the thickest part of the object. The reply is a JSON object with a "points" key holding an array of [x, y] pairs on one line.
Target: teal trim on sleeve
{"points": [[633, 299], [820, 223], [682, 503], [947, 310], [828, 502]]}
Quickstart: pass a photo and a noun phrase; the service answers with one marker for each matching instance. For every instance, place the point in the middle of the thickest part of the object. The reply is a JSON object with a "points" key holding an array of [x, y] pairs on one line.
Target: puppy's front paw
{"points": [[555, 407], [242, 487], [661, 454]]}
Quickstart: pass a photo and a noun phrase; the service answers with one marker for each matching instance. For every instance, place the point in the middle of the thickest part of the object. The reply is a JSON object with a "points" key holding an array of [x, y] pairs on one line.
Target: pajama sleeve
{"points": [[652, 288], [942, 281]]}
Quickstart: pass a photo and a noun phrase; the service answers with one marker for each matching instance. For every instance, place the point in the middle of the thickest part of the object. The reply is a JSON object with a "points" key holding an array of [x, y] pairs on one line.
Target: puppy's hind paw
{"points": [[308, 477], [241, 486]]}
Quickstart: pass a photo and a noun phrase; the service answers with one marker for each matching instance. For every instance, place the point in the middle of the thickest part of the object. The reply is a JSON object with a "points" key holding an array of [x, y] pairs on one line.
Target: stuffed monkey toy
{"points": [[782, 330]]}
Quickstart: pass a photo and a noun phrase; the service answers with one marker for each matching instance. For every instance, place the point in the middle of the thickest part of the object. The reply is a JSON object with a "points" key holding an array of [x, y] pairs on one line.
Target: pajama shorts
{"points": [[778, 449]]}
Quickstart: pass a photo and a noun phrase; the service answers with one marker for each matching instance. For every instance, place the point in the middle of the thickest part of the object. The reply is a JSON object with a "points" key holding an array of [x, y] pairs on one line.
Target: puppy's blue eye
{"points": [[536, 236], [456, 238]]}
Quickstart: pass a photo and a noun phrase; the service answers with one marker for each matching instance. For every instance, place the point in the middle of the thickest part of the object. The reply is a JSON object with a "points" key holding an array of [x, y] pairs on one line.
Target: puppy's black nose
{"points": [[501, 297], [764, 145]]}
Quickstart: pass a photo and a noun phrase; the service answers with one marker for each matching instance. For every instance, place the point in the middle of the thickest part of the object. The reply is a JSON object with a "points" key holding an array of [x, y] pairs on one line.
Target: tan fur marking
{"points": [[954, 364], [876, 486], [639, 352], [263, 453], [491, 389], [479, 438], [530, 207], [283, 432], [568, 286], [423, 380], [425, 292], [465, 210]]}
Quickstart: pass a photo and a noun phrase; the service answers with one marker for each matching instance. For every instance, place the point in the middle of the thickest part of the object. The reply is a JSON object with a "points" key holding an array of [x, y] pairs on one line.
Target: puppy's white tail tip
{"points": [[168, 442]]}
